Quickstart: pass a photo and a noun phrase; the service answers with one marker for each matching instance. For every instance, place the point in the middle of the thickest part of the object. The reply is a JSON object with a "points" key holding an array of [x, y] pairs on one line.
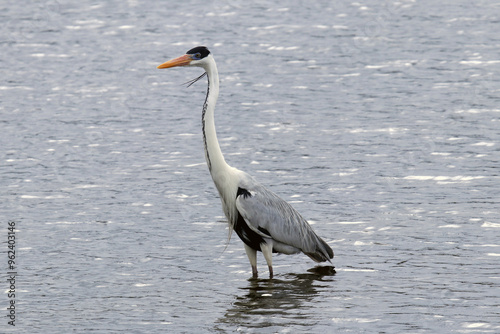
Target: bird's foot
{"points": [[270, 272]]}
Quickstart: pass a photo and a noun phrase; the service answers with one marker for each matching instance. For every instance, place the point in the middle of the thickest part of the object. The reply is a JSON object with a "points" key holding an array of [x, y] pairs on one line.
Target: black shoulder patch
{"points": [[243, 192], [202, 50]]}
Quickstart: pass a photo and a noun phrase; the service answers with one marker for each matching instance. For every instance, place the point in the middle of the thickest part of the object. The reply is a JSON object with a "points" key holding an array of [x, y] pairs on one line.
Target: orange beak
{"points": [[179, 61]]}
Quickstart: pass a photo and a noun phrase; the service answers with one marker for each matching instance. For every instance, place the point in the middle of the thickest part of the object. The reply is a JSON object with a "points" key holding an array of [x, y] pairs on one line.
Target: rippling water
{"points": [[377, 120]]}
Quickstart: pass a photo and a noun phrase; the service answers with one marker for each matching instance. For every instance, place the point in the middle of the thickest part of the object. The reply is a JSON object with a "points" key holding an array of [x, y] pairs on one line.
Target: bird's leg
{"points": [[267, 250], [252, 257], [255, 274]]}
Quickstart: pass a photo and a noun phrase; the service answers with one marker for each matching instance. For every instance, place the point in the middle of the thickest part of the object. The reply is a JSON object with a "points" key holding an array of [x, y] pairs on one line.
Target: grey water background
{"points": [[378, 120]]}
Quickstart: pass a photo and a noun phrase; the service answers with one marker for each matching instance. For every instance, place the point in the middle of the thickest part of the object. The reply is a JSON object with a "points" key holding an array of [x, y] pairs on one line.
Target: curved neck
{"points": [[213, 153]]}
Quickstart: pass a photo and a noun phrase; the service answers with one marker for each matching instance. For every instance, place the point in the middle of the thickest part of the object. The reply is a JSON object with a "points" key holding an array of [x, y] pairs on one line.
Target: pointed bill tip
{"points": [[179, 61]]}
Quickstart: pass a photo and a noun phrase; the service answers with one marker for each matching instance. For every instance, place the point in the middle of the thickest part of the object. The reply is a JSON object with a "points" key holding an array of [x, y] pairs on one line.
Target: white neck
{"points": [[223, 175], [213, 153]]}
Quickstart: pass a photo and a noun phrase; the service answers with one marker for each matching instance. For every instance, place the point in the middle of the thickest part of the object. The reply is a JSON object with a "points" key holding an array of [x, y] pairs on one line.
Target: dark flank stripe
{"points": [[246, 234], [263, 230]]}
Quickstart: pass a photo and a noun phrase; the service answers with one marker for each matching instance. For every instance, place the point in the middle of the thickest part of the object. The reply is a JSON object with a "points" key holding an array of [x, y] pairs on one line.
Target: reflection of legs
{"points": [[252, 257], [267, 250]]}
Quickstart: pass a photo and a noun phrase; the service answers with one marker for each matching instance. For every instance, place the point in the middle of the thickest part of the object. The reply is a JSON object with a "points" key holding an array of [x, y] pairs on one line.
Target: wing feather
{"points": [[270, 216]]}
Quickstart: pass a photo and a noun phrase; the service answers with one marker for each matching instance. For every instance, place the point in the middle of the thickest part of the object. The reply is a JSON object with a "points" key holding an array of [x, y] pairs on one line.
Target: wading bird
{"points": [[262, 220]]}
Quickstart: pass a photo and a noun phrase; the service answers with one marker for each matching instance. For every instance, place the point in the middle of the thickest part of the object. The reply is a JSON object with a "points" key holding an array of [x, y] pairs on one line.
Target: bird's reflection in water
{"points": [[279, 301]]}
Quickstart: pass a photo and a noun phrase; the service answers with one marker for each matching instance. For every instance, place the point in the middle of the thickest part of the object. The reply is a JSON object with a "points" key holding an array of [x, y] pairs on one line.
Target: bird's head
{"points": [[197, 56]]}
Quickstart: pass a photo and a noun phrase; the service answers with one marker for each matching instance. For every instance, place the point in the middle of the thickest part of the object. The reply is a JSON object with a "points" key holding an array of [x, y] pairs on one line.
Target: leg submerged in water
{"points": [[267, 250], [252, 257]]}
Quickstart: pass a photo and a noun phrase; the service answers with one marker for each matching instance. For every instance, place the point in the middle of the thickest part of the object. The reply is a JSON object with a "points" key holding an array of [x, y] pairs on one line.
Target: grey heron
{"points": [[262, 220]]}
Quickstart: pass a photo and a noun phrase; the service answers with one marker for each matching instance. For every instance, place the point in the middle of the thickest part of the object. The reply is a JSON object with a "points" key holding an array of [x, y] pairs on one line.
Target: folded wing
{"points": [[271, 217]]}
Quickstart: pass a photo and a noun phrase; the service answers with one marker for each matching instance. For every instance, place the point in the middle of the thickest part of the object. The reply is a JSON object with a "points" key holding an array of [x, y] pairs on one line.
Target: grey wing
{"points": [[272, 217]]}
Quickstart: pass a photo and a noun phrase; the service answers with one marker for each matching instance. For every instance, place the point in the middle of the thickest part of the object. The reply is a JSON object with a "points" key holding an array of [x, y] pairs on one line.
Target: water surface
{"points": [[378, 121]]}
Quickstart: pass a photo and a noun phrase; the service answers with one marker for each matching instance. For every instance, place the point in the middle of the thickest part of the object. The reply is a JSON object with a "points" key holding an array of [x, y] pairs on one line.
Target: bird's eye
{"points": [[198, 55]]}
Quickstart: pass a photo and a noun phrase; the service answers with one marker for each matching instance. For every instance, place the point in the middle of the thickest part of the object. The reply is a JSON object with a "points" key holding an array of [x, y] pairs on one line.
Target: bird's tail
{"points": [[322, 253]]}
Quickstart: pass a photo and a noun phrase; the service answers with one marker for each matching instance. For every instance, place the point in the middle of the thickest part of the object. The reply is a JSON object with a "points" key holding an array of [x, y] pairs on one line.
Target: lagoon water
{"points": [[378, 120]]}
